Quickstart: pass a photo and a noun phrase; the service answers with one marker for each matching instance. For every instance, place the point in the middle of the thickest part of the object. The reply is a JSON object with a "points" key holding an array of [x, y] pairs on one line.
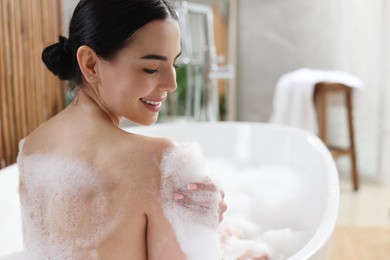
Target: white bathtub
{"points": [[250, 143]]}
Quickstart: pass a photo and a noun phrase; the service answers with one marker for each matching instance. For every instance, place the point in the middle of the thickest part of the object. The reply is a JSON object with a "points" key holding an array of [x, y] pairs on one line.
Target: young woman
{"points": [[88, 189]]}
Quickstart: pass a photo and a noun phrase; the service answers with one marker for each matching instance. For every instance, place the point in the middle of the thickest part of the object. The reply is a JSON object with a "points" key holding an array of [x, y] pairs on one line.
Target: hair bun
{"points": [[59, 60], [64, 42]]}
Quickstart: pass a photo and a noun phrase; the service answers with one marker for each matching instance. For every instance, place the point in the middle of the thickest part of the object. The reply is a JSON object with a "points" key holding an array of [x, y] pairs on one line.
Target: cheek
{"points": [[114, 90], [124, 93], [123, 88]]}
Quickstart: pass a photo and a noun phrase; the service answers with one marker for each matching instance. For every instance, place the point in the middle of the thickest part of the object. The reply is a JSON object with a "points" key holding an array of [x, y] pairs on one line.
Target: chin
{"points": [[149, 123], [144, 121]]}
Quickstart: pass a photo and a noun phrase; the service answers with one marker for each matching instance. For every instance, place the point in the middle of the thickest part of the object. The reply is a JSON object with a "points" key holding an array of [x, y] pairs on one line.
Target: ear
{"points": [[87, 59]]}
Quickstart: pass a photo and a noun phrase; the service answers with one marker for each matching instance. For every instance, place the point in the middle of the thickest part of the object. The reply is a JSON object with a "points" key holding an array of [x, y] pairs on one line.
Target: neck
{"points": [[88, 98]]}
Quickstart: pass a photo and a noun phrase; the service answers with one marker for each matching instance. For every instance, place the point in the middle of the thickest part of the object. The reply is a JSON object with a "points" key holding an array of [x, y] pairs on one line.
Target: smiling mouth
{"points": [[152, 103]]}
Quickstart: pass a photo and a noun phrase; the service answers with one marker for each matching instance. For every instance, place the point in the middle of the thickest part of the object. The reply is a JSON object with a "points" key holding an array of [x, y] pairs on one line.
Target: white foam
{"points": [[195, 226], [266, 205], [24, 255], [58, 198], [258, 199], [236, 248]]}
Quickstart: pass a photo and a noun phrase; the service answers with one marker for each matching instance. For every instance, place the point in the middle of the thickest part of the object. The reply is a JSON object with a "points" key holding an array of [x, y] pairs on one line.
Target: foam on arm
{"points": [[194, 225]]}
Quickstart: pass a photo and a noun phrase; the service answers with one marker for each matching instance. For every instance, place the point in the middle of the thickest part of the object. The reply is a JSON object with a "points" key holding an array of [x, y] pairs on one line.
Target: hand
{"points": [[251, 256], [186, 200], [222, 205]]}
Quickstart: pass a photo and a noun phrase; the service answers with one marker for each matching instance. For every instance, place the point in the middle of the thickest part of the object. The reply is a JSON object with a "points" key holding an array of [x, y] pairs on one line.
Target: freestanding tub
{"points": [[253, 144]]}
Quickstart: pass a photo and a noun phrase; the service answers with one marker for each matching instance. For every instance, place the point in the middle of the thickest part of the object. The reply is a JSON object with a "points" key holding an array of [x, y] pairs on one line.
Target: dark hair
{"points": [[107, 26]]}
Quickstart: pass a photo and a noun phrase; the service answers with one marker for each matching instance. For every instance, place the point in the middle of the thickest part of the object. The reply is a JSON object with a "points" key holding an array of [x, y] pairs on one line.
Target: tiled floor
{"points": [[370, 206]]}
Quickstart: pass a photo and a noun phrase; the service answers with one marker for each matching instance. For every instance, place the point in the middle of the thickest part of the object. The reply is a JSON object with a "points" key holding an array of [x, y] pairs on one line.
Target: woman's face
{"points": [[137, 81]]}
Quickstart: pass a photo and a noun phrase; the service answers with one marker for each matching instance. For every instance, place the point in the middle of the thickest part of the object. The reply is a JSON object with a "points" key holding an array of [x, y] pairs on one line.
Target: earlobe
{"points": [[87, 59]]}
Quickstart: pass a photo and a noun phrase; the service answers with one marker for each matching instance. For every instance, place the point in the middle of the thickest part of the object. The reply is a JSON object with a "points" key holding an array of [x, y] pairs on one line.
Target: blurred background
{"points": [[234, 53]]}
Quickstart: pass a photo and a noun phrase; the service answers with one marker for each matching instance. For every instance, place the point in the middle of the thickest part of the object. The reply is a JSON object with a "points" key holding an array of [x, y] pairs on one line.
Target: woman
{"points": [[90, 190]]}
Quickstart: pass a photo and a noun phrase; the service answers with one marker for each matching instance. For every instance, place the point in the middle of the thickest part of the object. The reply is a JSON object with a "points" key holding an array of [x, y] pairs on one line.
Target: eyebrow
{"points": [[157, 57]]}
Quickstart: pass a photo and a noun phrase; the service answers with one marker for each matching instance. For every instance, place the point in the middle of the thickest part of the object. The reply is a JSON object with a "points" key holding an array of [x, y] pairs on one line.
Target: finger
{"points": [[196, 208], [191, 199], [222, 209], [222, 193], [180, 197], [220, 218], [201, 186], [250, 255]]}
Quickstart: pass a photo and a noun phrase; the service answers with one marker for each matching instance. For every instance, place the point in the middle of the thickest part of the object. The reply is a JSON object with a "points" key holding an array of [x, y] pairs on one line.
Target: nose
{"points": [[168, 81]]}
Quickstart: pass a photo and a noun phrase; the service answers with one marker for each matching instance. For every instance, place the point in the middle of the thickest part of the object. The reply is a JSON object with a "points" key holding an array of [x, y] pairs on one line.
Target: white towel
{"points": [[293, 99]]}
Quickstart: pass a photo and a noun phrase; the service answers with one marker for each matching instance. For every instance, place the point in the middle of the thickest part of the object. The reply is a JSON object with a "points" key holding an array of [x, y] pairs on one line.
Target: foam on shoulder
{"points": [[195, 225]]}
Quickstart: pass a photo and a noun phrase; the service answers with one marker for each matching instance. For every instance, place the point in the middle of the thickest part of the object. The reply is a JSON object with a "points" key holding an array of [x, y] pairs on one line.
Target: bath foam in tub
{"points": [[195, 226], [258, 198]]}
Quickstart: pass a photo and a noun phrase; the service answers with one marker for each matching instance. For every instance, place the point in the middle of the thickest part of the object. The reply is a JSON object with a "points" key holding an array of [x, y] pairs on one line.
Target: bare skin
{"points": [[133, 176], [87, 131]]}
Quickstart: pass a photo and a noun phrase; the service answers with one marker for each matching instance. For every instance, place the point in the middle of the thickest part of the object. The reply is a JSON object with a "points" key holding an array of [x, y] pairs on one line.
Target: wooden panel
{"points": [[29, 93], [7, 108], [2, 83]]}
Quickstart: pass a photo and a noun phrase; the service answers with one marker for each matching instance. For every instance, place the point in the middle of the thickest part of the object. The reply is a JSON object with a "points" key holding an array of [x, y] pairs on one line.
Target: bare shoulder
{"points": [[140, 154], [43, 138], [146, 146], [161, 240]]}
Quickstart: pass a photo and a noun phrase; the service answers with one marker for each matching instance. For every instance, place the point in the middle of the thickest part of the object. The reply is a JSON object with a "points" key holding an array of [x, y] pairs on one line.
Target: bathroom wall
{"points": [[278, 36], [385, 166], [275, 37]]}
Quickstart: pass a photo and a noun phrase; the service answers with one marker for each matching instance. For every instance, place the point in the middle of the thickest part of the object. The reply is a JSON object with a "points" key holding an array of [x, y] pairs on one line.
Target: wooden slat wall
{"points": [[29, 93]]}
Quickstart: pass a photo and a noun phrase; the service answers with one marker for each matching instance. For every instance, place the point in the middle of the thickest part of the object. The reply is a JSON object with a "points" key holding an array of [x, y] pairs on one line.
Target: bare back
{"points": [[89, 190]]}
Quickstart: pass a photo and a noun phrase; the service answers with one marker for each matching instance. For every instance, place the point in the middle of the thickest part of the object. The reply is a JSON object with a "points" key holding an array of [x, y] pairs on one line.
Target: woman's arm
{"points": [[161, 240], [192, 220]]}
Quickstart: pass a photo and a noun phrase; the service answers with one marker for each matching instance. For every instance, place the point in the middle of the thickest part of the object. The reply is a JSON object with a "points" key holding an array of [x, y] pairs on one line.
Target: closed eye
{"points": [[150, 71]]}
